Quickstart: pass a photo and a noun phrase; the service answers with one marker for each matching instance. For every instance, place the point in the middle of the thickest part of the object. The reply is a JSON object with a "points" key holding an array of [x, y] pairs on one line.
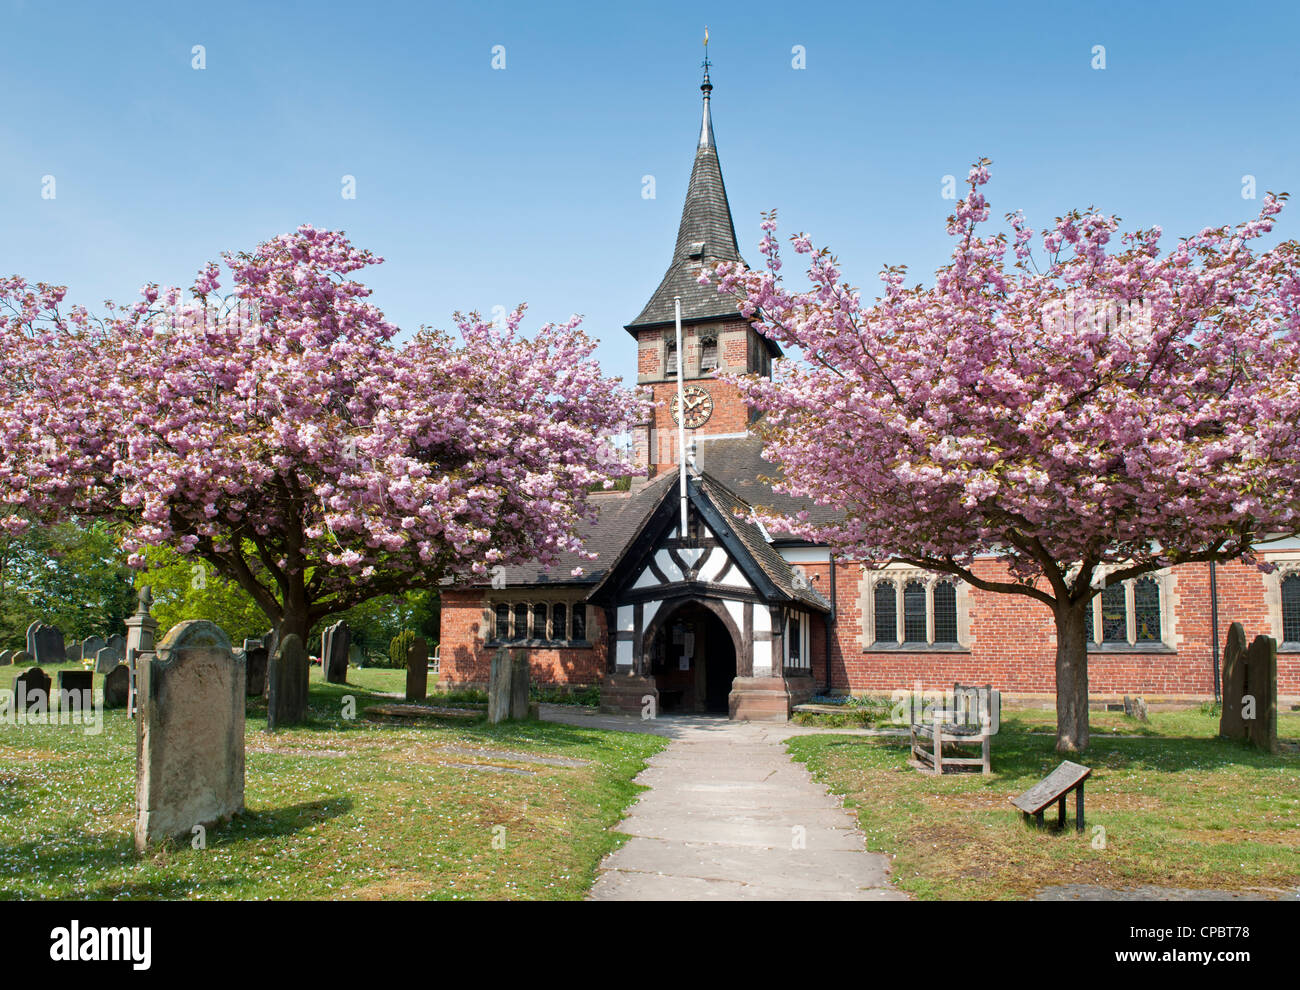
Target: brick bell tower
{"points": [[715, 336]]}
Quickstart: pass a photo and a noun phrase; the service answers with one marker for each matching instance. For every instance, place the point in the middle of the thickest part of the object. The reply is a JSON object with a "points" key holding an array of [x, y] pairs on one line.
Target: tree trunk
{"points": [[1071, 676]]}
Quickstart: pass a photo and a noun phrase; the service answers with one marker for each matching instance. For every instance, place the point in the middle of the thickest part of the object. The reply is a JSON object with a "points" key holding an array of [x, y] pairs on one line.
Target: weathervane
{"points": [[706, 63]]}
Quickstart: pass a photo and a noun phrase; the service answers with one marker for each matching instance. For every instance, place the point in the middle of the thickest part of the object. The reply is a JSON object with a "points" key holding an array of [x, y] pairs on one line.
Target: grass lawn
{"points": [[336, 809], [1179, 808]]}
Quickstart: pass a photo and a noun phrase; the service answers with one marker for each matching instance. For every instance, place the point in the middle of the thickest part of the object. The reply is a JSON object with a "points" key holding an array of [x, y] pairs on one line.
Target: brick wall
{"points": [[1013, 641], [466, 661]]}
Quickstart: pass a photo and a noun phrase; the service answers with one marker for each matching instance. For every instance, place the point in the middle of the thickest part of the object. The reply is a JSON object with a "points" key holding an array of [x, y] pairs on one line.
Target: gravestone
{"points": [[47, 644], [508, 686], [74, 653], [6, 657], [116, 642], [335, 645], [91, 645], [287, 683], [106, 659], [75, 690], [31, 637], [189, 734], [22, 658], [417, 670], [1231, 725], [1261, 686], [256, 659], [117, 687], [32, 691]]}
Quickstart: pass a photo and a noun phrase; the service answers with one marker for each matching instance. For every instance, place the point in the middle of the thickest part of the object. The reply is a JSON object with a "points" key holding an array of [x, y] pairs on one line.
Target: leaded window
{"points": [[886, 610], [1146, 611], [794, 641], [521, 622], [1114, 615], [1291, 608], [945, 612], [557, 622], [914, 612], [1089, 625], [503, 622], [579, 622], [539, 621]]}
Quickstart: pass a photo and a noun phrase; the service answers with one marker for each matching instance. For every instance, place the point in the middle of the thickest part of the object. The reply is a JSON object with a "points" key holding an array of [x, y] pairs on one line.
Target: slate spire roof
{"points": [[705, 236]]}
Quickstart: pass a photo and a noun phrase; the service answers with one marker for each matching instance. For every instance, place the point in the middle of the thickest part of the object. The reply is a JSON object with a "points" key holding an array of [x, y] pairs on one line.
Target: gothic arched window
{"points": [[521, 622], [886, 609], [914, 612], [945, 612], [557, 621], [503, 622], [1291, 608], [1146, 611], [1114, 615]]}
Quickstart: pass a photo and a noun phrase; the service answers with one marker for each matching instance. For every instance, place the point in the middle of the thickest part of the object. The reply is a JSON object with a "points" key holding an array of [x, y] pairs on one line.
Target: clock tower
{"points": [[715, 336]]}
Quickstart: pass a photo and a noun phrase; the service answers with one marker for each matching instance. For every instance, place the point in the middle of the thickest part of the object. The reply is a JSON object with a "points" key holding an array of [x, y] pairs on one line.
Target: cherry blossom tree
{"points": [[1109, 412], [285, 437]]}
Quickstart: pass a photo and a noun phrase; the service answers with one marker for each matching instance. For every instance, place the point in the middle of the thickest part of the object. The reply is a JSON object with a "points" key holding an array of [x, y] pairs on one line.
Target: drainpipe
{"points": [[1214, 628], [830, 623]]}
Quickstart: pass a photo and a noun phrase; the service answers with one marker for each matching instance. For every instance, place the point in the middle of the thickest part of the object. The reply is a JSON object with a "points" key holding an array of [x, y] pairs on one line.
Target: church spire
{"points": [[705, 236]]}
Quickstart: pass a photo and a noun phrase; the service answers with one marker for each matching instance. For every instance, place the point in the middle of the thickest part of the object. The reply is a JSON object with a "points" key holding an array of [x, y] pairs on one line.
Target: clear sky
{"points": [[484, 187]]}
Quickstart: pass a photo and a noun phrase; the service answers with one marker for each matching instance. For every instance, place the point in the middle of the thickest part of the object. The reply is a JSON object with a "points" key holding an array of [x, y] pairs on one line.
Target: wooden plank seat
{"points": [[970, 723], [1053, 789]]}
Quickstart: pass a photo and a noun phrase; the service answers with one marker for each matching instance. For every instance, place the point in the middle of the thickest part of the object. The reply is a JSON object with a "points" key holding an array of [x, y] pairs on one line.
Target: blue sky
{"points": [[486, 187]]}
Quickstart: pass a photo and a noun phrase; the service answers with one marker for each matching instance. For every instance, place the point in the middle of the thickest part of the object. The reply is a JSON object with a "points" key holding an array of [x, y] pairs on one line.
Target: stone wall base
{"points": [[625, 694], [759, 699]]}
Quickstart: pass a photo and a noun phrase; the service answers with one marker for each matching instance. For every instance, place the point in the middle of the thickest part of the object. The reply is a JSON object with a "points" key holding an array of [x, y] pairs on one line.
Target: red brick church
{"points": [[726, 617]]}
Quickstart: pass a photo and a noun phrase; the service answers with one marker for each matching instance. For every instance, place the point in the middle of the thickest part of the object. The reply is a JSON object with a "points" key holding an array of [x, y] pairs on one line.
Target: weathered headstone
{"points": [[32, 691], [287, 684], [6, 657], [91, 645], [75, 690], [508, 686], [335, 644], [116, 642], [47, 644], [1140, 709], [256, 659], [22, 658], [1261, 690], [73, 653], [117, 687], [31, 637], [189, 734], [106, 659], [417, 670], [1231, 725]]}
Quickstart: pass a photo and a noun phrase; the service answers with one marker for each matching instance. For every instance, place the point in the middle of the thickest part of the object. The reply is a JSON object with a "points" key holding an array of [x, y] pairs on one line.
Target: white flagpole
{"points": [[681, 411]]}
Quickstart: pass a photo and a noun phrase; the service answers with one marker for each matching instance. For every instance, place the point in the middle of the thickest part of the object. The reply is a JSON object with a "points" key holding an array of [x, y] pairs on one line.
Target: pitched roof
{"points": [[739, 464], [705, 236]]}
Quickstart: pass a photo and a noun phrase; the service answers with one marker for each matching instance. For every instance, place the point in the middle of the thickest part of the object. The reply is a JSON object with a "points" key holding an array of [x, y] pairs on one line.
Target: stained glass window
{"points": [[1089, 624], [1114, 615], [914, 612], [886, 607], [1146, 610]]}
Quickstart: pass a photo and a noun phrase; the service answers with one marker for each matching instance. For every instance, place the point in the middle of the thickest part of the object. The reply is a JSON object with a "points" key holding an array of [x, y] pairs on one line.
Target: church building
{"points": [[722, 616]]}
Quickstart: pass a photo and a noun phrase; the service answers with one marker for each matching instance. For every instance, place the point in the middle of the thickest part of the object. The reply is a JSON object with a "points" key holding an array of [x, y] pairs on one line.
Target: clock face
{"points": [[699, 407]]}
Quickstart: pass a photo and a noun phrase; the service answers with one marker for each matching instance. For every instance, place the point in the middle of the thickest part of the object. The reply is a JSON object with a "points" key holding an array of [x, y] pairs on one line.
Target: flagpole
{"points": [[681, 411]]}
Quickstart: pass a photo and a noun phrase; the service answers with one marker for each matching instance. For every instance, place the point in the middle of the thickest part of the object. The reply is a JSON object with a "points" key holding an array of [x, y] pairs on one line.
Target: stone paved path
{"points": [[729, 816]]}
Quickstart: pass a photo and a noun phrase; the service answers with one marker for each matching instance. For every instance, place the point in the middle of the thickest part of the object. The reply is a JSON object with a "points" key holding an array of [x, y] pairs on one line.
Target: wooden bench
{"points": [[966, 725], [1054, 787]]}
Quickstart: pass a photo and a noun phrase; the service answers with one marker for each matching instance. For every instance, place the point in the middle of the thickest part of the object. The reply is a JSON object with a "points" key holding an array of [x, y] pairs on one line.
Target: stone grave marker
{"points": [[189, 734], [417, 670], [48, 644], [75, 690], [22, 658], [1231, 725], [90, 647], [117, 643], [31, 637], [1261, 686], [117, 687], [74, 653], [508, 686], [255, 657], [287, 683], [106, 659], [335, 647], [32, 691], [6, 657]]}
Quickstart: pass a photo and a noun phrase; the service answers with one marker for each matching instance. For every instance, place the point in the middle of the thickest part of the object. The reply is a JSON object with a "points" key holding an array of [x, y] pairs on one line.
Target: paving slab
{"points": [[729, 816]]}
